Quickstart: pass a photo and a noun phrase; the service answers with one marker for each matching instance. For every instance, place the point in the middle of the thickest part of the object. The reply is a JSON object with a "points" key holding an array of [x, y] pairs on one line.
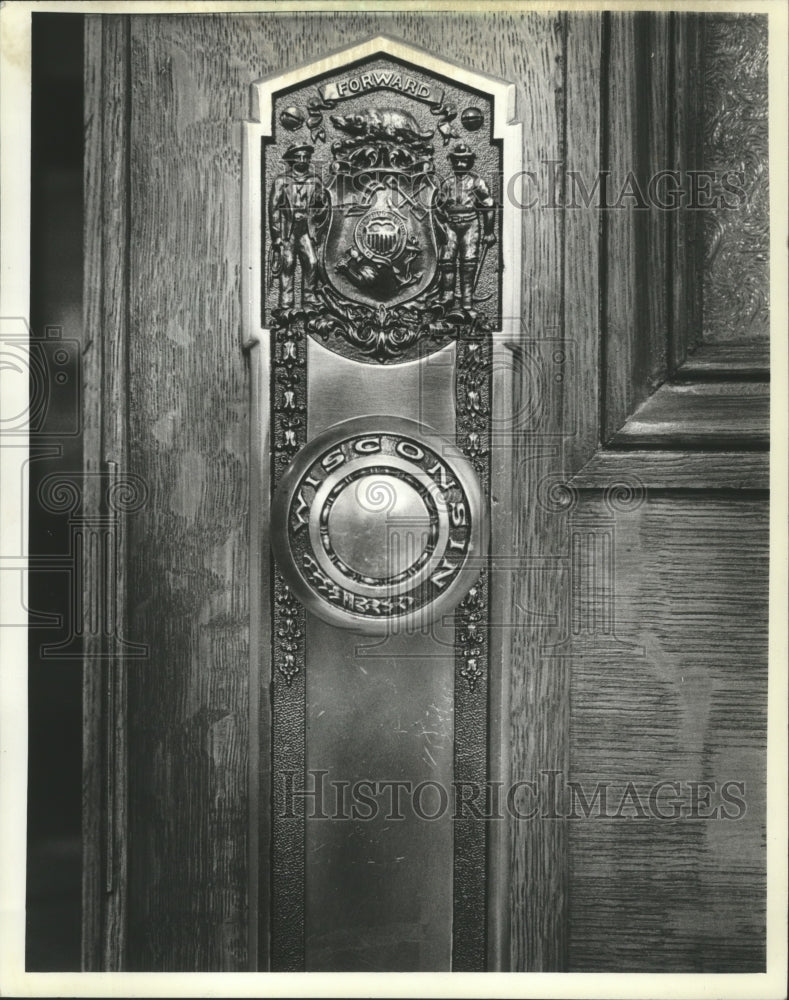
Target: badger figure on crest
{"points": [[382, 125]]}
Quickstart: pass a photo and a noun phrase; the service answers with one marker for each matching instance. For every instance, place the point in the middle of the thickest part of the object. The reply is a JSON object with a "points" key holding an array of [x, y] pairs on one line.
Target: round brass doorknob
{"points": [[378, 522]]}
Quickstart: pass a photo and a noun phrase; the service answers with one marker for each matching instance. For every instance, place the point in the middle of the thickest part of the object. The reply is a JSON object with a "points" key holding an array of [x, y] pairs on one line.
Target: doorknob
{"points": [[376, 526], [381, 292]]}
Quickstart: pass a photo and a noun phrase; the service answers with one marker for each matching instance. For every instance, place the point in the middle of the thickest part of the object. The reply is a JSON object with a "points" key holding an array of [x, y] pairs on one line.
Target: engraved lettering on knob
{"points": [[374, 523]]}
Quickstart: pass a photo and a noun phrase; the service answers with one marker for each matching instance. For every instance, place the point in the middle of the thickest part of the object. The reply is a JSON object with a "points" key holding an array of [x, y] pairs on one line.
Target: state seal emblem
{"points": [[381, 247], [381, 226]]}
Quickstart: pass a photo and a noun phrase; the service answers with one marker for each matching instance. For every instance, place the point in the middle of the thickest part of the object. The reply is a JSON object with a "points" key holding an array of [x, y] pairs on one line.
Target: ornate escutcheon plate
{"points": [[378, 528], [381, 293]]}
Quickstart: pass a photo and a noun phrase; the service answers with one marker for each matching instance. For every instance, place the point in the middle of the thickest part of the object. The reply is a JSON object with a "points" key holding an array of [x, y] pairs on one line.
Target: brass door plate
{"points": [[381, 287]]}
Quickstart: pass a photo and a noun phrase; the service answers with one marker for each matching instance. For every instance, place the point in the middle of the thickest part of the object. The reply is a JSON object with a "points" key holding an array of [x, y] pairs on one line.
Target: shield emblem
{"points": [[380, 249]]}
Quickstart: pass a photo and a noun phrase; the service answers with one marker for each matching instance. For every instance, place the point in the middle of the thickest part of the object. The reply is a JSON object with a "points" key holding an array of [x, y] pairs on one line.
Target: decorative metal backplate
{"points": [[375, 242], [373, 525], [380, 188]]}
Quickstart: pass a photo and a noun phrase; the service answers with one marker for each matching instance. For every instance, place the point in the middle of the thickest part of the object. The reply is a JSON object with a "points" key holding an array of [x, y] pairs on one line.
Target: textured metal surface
{"points": [[473, 392], [379, 220], [288, 628], [380, 283], [352, 481]]}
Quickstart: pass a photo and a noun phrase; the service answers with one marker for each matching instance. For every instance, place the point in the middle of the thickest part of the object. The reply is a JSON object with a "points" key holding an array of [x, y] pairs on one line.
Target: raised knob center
{"points": [[379, 526]]}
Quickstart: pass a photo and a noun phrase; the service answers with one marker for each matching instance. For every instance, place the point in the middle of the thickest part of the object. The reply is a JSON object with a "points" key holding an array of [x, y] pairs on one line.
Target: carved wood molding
{"points": [[687, 389], [105, 452]]}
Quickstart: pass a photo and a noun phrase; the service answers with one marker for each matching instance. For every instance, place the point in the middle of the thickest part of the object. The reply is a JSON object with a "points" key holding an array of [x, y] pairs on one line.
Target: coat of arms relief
{"points": [[376, 233], [381, 195]]}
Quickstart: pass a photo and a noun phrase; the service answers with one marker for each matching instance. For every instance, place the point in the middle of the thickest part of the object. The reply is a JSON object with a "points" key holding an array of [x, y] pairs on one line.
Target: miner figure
{"points": [[466, 216], [298, 212]]}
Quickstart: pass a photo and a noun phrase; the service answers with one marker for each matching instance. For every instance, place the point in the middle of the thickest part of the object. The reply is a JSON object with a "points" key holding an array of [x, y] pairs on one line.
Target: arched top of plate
{"points": [[380, 227]]}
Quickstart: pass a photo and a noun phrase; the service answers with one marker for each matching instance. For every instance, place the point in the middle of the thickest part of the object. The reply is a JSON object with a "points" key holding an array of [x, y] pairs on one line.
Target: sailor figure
{"points": [[466, 214], [298, 212]]}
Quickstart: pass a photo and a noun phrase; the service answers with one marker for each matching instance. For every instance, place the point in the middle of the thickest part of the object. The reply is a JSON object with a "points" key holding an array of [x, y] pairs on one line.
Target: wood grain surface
{"points": [[105, 442], [658, 469], [702, 414], [684, 87], [680, 696], [751, 360], [188, 437], [635, 331], [579, 421], [92, 763], [651, 269], [538, 723]]}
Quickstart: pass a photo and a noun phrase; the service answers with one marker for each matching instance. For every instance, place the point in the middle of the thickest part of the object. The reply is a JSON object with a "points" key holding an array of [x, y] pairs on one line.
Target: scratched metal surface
{"points": [[379, 890]]}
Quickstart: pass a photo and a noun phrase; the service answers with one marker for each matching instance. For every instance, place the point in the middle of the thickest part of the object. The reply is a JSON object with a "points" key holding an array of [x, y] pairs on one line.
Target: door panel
{"points": [[673, 700], [630, 548]]}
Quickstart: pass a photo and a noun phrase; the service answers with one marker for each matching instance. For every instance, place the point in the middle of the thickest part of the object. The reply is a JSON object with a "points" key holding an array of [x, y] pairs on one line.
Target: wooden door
{"points": [[632, 717]]}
